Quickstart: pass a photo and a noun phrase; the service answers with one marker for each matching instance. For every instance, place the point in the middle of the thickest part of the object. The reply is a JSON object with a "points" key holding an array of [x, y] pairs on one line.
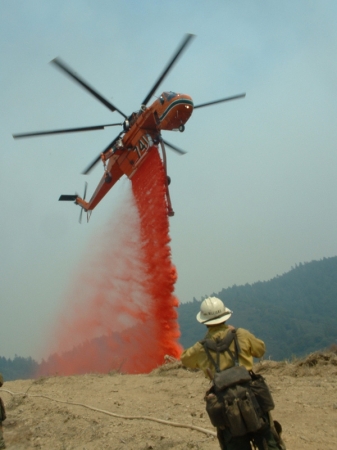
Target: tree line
{"points": [[294, 313], [18, 368]]}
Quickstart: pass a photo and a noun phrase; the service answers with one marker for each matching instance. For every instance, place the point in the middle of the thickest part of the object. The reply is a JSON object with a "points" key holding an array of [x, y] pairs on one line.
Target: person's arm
{"points": [[257, 346], [189, 357]]}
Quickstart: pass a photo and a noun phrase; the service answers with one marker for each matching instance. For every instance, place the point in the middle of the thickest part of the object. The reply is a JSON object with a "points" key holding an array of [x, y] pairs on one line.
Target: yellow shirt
{"points": [[195, 357]]}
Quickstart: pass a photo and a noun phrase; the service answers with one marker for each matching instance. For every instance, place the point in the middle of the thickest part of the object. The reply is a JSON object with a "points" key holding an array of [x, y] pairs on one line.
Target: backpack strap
{"points": [[222, 346]]}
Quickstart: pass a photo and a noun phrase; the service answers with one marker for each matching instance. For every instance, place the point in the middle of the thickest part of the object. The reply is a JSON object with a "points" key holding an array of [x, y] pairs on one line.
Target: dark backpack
{"points": [[238, 399], [2, 411]]}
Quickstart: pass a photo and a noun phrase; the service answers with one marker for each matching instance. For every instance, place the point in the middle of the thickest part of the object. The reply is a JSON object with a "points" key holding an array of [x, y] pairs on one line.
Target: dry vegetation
{"points": [[115, 411]]}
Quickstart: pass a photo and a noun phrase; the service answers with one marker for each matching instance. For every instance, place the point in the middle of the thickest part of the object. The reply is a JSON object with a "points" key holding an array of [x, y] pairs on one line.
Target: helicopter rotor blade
{"points": [[175, 148], [84, 196], [91, 165], [169, 66], [85, 190], [65, 130], [227, 99], [61, 65], [98, 158]]}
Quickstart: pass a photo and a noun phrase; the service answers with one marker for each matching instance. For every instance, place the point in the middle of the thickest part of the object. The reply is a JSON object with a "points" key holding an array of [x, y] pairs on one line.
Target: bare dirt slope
{"points": [[41, 414]]}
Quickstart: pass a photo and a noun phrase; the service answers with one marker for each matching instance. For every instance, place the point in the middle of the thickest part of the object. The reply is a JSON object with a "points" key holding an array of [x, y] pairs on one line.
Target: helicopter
{"points": [[141, 132]]}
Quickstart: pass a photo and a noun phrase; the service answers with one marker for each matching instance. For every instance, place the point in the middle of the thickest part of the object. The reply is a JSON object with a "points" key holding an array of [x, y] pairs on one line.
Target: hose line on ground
{"points": [[120, 416]]}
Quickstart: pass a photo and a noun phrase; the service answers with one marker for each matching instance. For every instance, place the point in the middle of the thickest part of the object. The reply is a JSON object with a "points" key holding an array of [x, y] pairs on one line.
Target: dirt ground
{"points": [[42, 415]]}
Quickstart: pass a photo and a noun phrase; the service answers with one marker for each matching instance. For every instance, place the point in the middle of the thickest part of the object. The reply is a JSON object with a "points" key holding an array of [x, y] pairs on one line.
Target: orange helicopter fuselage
{"points": [[142, 131]]}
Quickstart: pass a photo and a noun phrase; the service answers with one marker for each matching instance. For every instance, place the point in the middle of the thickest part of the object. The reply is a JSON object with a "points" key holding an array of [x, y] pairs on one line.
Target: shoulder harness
{"points": [[222, 346]]}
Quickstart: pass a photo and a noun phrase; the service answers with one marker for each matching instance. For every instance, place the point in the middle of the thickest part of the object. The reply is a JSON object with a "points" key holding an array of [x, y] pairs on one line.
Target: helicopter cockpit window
{"points": [[161, 99], [169, 95]]}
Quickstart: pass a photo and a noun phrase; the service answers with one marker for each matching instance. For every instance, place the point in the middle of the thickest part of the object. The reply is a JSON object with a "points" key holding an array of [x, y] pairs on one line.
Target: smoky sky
{"points": [[254, 195]]}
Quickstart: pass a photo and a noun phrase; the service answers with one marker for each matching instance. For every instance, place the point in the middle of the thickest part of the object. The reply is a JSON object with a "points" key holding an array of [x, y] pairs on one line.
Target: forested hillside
{"points": [[18, 368], [295, 313]]}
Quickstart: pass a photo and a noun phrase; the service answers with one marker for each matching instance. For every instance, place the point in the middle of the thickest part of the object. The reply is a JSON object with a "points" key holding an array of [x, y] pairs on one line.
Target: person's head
{"points": [[213, 312]]}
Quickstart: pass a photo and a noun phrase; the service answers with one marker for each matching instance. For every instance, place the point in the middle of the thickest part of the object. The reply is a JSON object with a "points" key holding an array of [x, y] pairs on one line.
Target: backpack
{"points": [[2, 411], [238, 399], [2, 406]]}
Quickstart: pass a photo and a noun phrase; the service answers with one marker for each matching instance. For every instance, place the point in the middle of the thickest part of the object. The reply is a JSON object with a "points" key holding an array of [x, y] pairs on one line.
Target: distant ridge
{"points": [[295, 313]]}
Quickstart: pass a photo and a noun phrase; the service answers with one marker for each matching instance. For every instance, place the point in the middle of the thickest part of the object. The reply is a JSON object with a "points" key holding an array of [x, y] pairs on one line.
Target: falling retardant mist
{"points": [[121, 312]]}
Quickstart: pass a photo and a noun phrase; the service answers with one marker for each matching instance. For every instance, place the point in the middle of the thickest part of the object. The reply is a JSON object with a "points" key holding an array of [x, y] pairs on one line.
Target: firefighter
{"points": [[214, 314], [2, 417]]}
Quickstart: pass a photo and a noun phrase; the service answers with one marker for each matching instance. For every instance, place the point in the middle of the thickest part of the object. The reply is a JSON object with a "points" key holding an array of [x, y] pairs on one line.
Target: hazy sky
{"points": [[255, 194]]}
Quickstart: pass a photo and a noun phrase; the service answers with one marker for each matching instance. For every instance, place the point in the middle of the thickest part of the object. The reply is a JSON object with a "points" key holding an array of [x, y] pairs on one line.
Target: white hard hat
{"points": [[213, 311]]}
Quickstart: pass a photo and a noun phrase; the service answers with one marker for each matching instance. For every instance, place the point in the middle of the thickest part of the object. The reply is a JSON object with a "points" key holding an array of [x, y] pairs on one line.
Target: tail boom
{"points": [[76, 199]]}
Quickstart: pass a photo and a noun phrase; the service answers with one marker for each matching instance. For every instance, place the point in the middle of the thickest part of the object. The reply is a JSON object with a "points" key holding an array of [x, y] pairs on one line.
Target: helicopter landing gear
{"points": [[156, 140], [182, 128], [126, 125], [170, 211], [108, 177]]}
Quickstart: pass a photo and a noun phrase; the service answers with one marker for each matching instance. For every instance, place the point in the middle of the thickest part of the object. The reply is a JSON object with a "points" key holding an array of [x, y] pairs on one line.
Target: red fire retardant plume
{"points": [[121, 311]]}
